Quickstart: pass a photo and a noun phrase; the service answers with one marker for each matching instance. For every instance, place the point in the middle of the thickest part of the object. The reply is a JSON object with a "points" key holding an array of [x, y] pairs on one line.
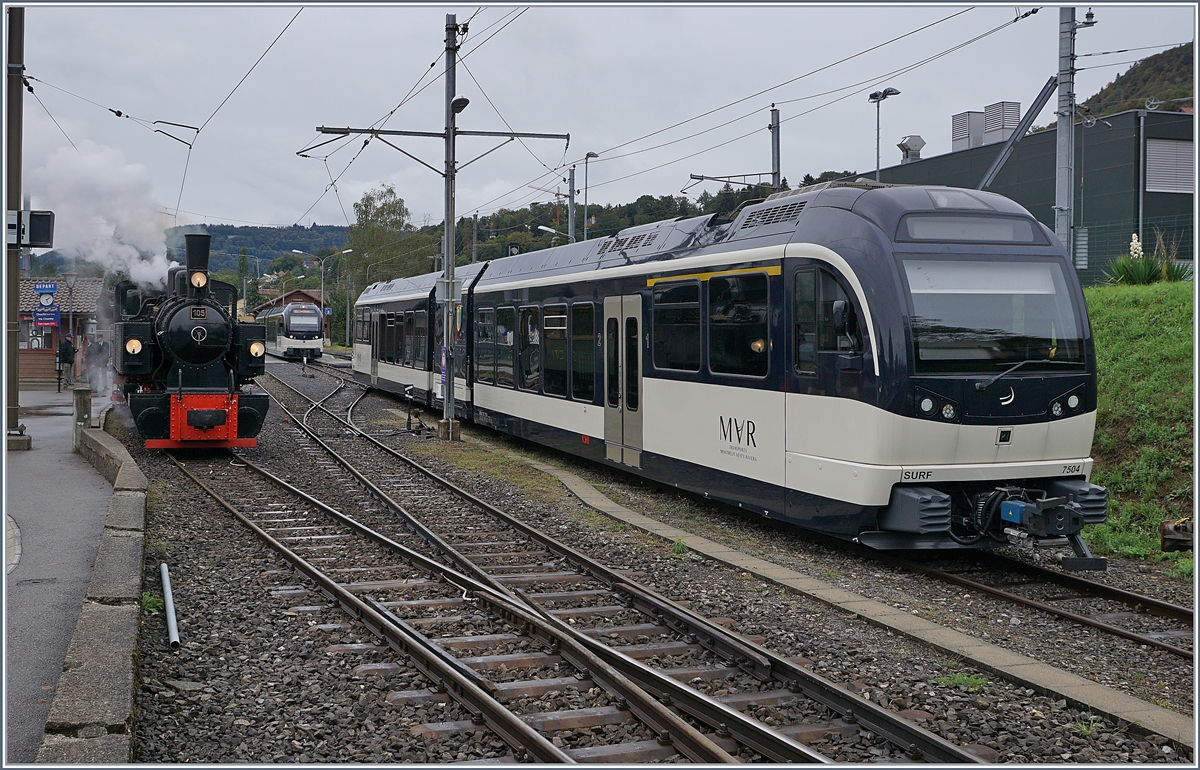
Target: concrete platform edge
{"points": [[92, 712], [1079, 692]]}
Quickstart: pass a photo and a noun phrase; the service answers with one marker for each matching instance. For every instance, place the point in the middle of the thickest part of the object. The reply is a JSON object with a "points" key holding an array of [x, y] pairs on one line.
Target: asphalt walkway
{"points": [[55, 504]]}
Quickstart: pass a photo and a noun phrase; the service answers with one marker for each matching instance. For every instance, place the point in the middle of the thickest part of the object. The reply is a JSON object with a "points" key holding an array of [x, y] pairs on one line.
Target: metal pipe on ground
{"points": [[169, 600]]}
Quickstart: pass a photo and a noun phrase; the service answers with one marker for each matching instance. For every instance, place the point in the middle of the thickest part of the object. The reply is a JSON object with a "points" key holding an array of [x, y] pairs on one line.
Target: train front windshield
{"points": [[973, 316], [305, 323]]}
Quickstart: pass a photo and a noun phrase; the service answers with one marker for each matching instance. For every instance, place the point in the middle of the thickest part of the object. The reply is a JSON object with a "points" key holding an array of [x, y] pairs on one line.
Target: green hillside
{"points": [[1144, 421], [1164, 76]]}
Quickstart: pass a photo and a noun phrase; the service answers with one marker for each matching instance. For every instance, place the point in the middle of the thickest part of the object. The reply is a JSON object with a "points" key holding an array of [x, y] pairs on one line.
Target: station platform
{"points": [[55, 508]]}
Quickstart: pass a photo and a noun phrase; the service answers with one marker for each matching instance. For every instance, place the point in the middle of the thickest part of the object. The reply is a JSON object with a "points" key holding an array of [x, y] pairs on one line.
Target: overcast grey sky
{"points": [[605, 75]]}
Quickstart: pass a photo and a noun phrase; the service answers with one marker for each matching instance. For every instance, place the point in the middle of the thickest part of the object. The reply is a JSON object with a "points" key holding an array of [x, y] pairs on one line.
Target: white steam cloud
{"points": [[103, 210]]}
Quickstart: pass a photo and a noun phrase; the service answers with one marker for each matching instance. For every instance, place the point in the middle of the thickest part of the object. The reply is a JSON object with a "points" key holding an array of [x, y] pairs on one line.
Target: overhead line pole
{"points": [[454, 105], [16, 69]]}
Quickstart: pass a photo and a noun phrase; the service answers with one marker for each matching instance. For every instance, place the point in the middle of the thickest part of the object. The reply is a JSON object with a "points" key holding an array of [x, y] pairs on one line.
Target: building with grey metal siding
{"points": [[1134, 172]]}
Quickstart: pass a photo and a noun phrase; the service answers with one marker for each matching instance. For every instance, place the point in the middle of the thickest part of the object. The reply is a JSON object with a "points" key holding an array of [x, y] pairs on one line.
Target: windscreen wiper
{"points": [[984, 384]]}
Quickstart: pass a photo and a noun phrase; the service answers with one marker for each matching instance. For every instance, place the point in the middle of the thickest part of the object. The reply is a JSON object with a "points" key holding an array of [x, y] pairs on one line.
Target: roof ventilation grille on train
{"points": [[628, 244], [789, 212]]}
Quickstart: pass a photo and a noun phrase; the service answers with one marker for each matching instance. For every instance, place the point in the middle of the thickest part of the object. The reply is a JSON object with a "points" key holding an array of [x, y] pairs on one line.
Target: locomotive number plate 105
{"points": [[200, 312]]}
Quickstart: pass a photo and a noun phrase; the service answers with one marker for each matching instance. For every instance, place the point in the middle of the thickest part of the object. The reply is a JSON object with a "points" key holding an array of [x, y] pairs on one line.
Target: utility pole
{"points": [[775, 177], [475, 238], [1064, 177], [454, 105], [571, 208], [16, 68]]}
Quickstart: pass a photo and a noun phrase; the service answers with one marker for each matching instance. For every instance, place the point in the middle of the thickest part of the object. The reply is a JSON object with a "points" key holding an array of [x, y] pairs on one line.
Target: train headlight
{"points": [[133, 347], [949, 412], [199, 280], [1073, 401], [257, 349], [927, 405], [1056, 409], [758, 346]]}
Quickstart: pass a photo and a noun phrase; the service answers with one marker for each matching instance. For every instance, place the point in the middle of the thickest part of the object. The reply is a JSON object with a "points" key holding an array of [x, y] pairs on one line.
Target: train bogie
{"points": [[907, 367]]}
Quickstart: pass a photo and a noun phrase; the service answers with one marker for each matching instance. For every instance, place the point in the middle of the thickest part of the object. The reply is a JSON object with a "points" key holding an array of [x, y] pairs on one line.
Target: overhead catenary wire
{"points": [[412, 93], [893, 73], [39, 101], [187, 161]]}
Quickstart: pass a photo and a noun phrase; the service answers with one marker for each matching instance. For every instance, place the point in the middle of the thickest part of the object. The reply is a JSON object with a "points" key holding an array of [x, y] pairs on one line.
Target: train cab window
{"points": [[409, 338], [530, 353], [737, 324], [583, 353], [677, 326], [485, 345], [813, 329], [420, 333], [554, 354], [506, 321]]}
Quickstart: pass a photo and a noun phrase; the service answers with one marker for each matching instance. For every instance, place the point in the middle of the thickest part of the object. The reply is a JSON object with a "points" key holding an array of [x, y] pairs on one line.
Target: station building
{"points": [[37, 341], [1134, 173]]}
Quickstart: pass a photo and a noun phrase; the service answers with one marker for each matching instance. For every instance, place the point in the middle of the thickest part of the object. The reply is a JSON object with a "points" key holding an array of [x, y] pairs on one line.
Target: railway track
{"points": [[1132, 616], [720, 681], [1136, 617]]}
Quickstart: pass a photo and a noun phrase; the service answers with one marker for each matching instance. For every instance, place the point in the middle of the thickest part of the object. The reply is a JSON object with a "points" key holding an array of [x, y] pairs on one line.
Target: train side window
{"points": [[612, 335], [554, 355], [583, 353], [805, 313], [530, 353], [737, 324], [506, 321], [485, 345], [380, 335], [677, 326], [420, 329], [829, 339], [409, 338]]}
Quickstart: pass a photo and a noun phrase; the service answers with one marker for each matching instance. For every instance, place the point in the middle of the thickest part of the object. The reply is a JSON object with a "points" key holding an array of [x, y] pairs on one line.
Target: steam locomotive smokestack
{"points": [[196, 248]]}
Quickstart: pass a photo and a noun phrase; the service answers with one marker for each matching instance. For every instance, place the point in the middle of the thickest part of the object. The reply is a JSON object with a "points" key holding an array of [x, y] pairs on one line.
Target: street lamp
{"points": [[552, 231], [283, 293], [877, 97], [586, 158], [322, 261]]}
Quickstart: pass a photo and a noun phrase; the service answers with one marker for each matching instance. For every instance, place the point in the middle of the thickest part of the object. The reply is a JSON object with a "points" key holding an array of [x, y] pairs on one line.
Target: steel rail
{"points": [[465, 690], [688, 740], [1069, 581], [751, 658]]}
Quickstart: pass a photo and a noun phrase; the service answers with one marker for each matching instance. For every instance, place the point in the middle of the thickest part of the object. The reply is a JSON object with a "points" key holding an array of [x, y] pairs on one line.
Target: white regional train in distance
{"points": [[294, 331], [908, 367]]}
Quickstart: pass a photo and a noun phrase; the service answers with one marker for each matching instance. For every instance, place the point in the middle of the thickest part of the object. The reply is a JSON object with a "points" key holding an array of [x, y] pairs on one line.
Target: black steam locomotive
{"points": [[182, 360]]}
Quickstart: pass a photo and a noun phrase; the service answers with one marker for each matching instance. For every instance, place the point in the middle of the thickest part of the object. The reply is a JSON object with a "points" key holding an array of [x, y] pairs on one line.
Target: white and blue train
{"points": [[908, 367], [294, 331]]}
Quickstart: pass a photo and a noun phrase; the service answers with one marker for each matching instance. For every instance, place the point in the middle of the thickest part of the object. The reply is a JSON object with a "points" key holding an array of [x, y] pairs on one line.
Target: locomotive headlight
{"points": [[758, 346], [133, 347], [199, 280], [1056, 409], [1073, 401], [949, 412], [257, 349], [927, 405]]}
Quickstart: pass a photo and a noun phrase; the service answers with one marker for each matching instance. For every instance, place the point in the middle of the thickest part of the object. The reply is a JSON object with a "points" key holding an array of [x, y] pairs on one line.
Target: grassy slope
{"points": [[1144, 425]]}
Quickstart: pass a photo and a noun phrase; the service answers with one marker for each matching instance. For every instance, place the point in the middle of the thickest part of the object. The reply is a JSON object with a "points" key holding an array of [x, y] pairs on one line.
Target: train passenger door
{"points": [[623, 379], [378, 320]]}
